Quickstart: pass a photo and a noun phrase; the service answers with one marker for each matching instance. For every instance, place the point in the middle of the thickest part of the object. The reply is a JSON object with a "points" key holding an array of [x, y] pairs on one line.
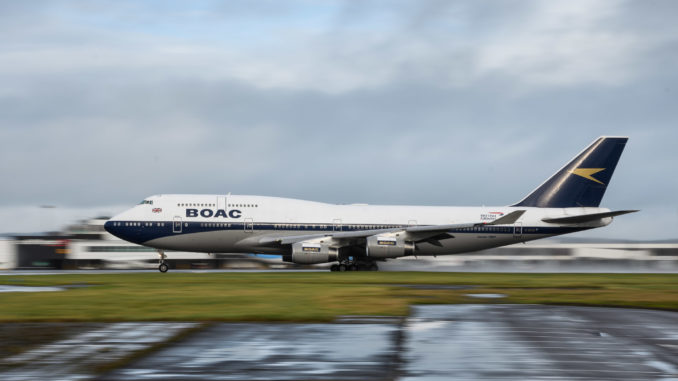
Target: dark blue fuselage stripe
{"points": [[139, 232]]}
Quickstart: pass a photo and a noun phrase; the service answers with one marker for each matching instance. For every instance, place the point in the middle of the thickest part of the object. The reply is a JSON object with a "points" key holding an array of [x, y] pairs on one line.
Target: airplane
{"points": [[358, 236]]}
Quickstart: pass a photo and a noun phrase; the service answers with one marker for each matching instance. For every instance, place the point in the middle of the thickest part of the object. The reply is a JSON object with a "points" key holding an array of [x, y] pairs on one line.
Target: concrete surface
{"points": [[529, 342], [77, 356], [438, 342]]}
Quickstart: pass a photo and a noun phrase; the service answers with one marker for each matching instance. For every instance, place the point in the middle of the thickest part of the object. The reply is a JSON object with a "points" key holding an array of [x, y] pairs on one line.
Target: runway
{"points": [[153, 271], [438, 342]]}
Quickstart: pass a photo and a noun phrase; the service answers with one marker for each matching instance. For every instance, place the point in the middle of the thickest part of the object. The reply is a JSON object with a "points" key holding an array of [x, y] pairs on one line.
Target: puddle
{"points": [[486, 296], [5, 288], [435, 286]]}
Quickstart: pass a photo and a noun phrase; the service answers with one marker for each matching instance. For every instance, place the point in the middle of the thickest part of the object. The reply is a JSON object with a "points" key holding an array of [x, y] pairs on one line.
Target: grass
{"points": [[310, 296]]}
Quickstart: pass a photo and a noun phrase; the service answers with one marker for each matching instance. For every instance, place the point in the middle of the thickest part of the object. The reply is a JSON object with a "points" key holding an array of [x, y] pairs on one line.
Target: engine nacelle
{"points": [[314, 251], [391, 245]]}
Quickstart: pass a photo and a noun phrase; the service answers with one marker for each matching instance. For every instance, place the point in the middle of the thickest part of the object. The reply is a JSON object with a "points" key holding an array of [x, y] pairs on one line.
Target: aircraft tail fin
{"points": [[581, 182]]}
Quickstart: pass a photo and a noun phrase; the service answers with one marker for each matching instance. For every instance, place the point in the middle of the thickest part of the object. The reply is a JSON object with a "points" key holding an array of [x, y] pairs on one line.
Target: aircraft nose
{"points": [[112, 226], [108, 225]]}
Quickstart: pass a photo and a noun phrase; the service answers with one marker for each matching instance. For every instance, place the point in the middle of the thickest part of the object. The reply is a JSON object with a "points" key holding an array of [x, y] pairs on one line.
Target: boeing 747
{"points": [[358, 236]]}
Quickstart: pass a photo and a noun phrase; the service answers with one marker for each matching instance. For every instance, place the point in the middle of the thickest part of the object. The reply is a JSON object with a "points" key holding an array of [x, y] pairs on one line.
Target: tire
{"points": [[352, 268], [334, 267], [342, 268], [163, 268], [373, 267]]}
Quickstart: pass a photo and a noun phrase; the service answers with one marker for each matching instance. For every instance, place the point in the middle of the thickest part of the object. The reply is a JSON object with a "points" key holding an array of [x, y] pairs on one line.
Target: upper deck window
{"points": [[149, 202]]}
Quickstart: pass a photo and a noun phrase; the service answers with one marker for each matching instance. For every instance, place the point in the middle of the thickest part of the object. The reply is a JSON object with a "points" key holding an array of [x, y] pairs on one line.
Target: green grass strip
{"points": [[311, 297]]}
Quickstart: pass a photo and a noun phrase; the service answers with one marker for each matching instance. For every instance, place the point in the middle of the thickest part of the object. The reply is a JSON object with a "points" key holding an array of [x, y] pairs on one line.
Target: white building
{"points": [[7, 254]]}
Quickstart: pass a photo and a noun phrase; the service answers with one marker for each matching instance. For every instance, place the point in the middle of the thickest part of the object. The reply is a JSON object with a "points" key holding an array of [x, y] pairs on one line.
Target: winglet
{"points": [[508, 219]]}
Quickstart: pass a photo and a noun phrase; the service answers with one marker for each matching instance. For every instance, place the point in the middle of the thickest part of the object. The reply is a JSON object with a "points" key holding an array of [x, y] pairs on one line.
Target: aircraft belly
{"points": [[208, 242], [218, 242]]}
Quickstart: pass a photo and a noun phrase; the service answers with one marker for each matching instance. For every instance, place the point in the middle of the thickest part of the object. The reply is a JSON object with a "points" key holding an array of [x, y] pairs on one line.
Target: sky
{"points": [[412, 102]]}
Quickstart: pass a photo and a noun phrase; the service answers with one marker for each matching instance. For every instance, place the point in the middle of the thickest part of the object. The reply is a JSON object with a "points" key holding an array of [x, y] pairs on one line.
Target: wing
{"points": [[430, 233]]}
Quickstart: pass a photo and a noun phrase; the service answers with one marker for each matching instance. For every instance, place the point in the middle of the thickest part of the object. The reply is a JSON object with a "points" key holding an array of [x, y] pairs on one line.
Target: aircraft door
{"points": [[221, 202], [518, 230], [176, 227], [336, 224], [249, 225]]}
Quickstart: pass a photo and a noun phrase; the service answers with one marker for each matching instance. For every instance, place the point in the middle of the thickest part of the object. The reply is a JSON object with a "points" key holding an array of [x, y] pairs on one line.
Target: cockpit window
{"points": [[149, 202]]}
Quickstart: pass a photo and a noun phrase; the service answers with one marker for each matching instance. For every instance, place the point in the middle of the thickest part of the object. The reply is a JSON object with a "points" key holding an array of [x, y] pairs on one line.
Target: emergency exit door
{"points": [[221, 202]]}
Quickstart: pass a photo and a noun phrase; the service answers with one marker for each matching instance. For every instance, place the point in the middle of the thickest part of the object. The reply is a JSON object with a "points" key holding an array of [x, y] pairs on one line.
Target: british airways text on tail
{"points": [[356, 237]]}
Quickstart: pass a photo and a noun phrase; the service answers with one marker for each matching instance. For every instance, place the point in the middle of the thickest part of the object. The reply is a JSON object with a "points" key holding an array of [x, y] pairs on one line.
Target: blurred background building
{"points": [[86, 245]]}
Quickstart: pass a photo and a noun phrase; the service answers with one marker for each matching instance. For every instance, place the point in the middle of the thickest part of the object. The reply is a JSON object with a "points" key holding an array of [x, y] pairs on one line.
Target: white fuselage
{"points": [[235, 223]]}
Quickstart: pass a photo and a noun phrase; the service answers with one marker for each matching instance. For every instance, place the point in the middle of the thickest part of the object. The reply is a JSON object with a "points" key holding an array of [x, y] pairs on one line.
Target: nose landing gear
{"points": [[162, 265]]}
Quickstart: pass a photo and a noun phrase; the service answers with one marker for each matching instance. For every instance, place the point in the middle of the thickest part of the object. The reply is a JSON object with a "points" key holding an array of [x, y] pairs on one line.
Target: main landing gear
{"points": [[162, 264], [348, 265]]}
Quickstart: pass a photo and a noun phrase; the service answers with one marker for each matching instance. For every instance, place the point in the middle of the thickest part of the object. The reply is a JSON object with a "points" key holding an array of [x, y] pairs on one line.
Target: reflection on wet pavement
{"points": [[76, 357], [528, 342], [467, 342], [275, 351], [5, 288]]}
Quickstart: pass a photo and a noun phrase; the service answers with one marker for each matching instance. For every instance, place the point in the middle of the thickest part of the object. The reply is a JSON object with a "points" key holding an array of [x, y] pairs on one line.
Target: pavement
{"points": [[436, 342], [153, 271], [87, 348]]}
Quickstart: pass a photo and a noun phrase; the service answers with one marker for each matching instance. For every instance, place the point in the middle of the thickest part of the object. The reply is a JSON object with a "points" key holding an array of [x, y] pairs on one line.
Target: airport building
{"points": [[87, 245], [555, 256]]}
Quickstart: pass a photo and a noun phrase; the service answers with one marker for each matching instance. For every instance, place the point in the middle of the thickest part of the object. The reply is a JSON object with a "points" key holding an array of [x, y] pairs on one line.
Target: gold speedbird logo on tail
{"points": [[588, 173]]}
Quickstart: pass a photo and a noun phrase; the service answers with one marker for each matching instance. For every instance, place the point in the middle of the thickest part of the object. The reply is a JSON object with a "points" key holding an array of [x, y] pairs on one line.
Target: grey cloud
{"points": [[119, 115]]}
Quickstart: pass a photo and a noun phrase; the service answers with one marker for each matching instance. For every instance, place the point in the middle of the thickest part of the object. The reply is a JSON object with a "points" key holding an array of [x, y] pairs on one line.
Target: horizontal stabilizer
{"points": [[586, 217]]}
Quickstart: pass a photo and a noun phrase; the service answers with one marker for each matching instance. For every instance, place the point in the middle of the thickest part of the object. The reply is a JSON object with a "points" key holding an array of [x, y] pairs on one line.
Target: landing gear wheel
{"points": [[361, 267], [373, 267], [162, 265], [342, 267], [352, 268], [334, 267]]}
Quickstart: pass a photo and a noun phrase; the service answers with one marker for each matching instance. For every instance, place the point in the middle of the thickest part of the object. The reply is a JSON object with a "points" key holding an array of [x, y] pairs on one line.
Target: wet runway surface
{"points": [[438, 342], [275, 352], [87, 347], [153, 271], [540, 342]]}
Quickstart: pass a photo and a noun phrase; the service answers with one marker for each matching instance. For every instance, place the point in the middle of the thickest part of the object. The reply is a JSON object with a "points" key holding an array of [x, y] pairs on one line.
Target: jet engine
{"points": [[314, 251], [391, 245]]}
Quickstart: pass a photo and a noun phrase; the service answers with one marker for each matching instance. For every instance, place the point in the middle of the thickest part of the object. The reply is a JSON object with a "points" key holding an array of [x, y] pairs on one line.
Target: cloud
{"points": [[426, 102], [551, 44]]}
